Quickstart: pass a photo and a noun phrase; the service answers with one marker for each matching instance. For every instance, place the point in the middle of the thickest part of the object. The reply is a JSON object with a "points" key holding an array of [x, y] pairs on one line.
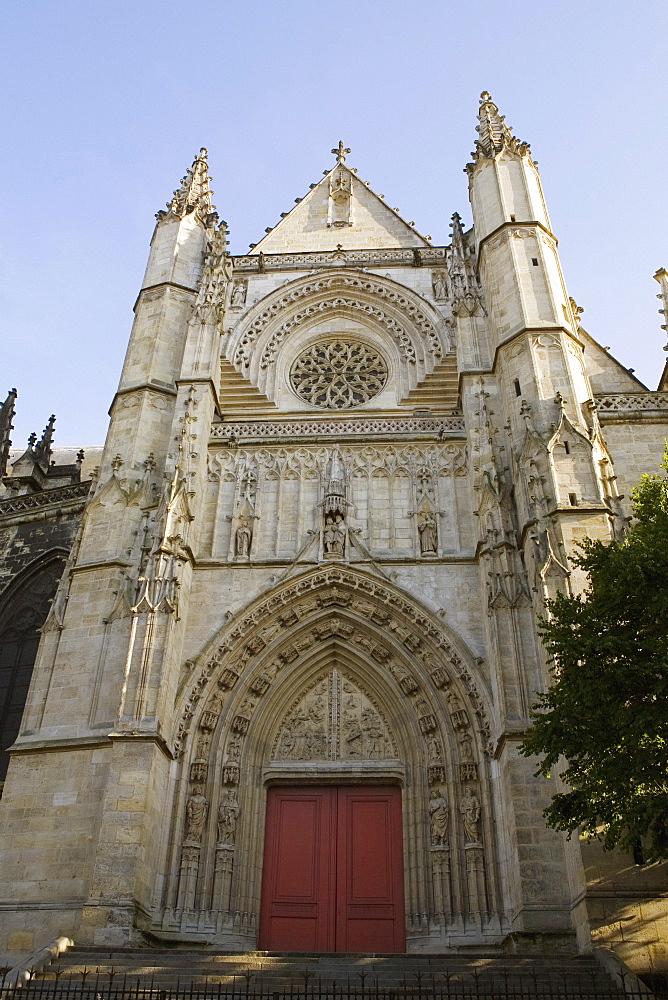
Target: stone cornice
{"points": [[163, 284], [635, 407], [528, 224], [349, 428], [160, 390], [400, 257], [31, 502], [27, 745]]}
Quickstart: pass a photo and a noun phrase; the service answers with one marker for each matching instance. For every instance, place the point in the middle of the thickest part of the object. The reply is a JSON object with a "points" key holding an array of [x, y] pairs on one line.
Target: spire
{"points": [[6, 417], [194, 195], [494, 134], [43, 447], [662, 277], [464, 290]]}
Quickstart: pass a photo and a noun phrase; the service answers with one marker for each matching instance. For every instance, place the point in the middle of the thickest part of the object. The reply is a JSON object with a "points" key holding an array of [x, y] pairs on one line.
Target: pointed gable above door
{"points": [[340, 211]]}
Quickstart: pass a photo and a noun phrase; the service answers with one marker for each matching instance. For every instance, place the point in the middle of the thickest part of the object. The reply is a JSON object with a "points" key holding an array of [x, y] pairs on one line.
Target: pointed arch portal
{"points": [[333, 697]]}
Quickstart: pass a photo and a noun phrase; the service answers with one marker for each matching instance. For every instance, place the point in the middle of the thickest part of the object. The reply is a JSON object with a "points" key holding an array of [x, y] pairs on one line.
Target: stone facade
{"points": [[342, 473]]}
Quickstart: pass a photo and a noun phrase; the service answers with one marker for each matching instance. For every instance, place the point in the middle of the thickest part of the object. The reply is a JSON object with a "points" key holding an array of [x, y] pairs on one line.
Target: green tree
{"points": [[607, 710]]}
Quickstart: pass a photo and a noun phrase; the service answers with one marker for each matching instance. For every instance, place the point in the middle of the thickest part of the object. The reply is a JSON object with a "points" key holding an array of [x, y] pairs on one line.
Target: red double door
{"points": [[333, 870]]}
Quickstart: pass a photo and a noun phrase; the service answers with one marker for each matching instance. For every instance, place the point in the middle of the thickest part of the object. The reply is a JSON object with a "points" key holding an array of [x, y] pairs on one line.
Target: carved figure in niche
{"points": [[234, 748], [215, 704], [438, 818], [228, 814], [434, 745], [239, 295], [202, 750], [428, 532], [469, 807], [466, 748], [197, 810], [454, 702], [439, 285], [334, 536], [457, 278], [243, 538]]}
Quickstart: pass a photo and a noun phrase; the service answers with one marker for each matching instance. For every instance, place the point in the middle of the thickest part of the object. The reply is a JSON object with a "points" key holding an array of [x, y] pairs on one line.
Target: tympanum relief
{"points": [[334, 721]]}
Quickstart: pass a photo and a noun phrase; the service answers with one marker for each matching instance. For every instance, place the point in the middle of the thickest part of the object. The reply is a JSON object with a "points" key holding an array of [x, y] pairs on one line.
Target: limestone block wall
{"points": [[637, 446]]}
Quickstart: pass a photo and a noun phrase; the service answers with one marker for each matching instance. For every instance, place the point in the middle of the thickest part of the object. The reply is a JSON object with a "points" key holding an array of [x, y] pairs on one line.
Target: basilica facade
{"points": [[279, 694]]}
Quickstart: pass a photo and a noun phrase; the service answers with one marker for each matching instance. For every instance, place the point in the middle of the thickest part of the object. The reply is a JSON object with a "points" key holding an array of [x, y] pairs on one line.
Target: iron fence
{"points": [[509, 984]]}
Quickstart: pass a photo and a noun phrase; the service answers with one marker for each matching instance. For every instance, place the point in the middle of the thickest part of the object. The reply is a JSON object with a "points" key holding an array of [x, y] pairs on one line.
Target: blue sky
{"points": [[106, 104]]}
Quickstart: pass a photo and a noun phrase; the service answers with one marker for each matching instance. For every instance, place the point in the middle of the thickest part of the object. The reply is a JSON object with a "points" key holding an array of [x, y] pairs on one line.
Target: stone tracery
{"points": [[338, 374]]}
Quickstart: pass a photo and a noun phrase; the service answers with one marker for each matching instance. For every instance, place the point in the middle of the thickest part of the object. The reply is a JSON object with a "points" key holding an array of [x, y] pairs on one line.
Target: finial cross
{"points": [[340, 152]]}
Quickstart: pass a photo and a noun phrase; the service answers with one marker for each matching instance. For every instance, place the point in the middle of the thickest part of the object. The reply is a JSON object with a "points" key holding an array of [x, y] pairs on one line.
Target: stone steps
{"points": [[438, 391], [238, 395], [493, 975]]}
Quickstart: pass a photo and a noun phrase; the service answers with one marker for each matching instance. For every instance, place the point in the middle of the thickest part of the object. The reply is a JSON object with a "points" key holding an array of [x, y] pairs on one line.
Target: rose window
{"points": [[338, 374]]}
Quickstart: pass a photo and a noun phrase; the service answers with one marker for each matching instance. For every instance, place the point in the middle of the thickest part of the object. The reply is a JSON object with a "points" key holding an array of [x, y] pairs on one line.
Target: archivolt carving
{"points": [[391, 294], [403, 624], [334, 305]]}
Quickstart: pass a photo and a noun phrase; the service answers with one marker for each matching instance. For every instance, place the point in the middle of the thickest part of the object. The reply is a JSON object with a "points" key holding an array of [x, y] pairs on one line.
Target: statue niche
{"points": [[340, 194], [334, 721]]}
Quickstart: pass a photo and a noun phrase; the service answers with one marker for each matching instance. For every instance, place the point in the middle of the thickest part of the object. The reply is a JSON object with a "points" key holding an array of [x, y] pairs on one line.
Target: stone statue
{"points": [[243, 539], [469, 807], [238, 294], [202, 748], [197, 810], [438, 818], [466, 749], [428, 532], [228, 814], [334, 536], [439, 285]]}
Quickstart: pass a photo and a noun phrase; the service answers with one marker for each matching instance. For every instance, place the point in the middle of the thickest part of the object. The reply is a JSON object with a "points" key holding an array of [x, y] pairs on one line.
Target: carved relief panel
{"points": [[403, 500], [335, 720]]}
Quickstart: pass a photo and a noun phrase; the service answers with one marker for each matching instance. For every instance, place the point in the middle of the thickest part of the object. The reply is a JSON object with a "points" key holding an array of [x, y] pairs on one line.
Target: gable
{"points": [[340, 211], [605, 372]]}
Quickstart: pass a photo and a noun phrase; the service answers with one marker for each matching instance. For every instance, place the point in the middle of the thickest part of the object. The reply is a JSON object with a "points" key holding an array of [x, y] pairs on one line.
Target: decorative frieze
{"points": [[627, 402], [432, 426], [419, 256]]}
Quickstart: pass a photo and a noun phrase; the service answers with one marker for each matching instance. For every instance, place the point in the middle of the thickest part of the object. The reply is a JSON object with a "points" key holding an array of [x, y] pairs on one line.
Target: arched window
{"points": [[22, 614]]}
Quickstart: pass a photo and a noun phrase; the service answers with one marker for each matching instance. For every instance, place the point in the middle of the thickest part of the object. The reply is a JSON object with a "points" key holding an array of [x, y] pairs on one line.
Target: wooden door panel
{"points": [[299, 874], [370, 910], [333, 870]]}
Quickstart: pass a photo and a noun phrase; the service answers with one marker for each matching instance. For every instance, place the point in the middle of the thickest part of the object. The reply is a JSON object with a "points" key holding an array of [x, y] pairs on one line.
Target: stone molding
{"points": [[414, 257], [340, 427]]}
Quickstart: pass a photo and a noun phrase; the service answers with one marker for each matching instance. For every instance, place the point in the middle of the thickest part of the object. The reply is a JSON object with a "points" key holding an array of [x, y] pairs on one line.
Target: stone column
{"points": [[475, 878], [222, 878], [188, 875], [440, 862]]}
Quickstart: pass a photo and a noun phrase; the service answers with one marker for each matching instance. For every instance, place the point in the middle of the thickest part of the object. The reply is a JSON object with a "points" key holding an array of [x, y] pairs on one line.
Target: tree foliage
{"points": [[607, 711]]}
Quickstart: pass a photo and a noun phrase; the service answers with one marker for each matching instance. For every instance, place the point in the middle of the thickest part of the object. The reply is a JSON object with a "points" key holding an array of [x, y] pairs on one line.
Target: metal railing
{"points": [[509, 983]]}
